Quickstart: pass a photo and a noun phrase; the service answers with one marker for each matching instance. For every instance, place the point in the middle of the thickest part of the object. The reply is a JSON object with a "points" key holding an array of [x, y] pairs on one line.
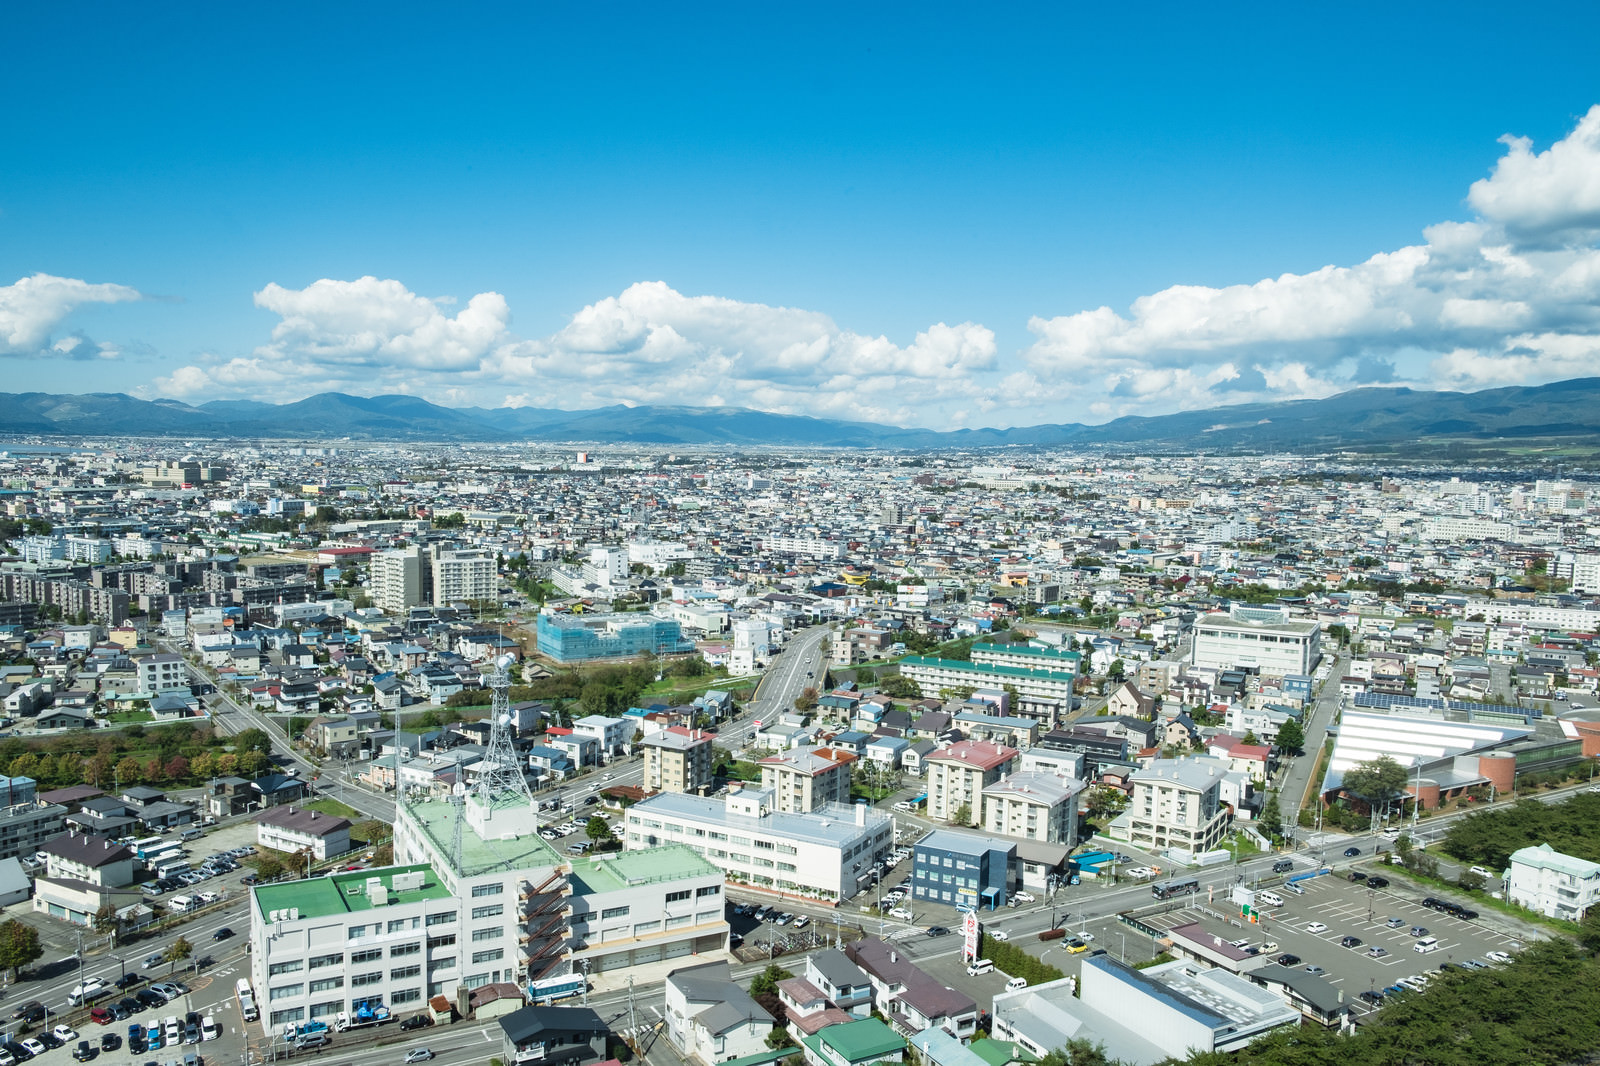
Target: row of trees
{"points": [[178, 753], [1488, 837]]}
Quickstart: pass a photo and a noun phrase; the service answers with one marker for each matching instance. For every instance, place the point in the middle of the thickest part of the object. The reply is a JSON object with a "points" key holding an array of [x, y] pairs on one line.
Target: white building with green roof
{"points": [[1037, 682], [630, 908]]}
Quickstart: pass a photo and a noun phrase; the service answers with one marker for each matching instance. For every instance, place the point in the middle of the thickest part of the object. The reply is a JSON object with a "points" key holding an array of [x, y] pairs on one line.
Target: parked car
{"points": [[1316, 927], [1288, 959], [1350, 942], [64, 1033], [84, 1051], [416, 1021], [110, 1042], [1497, 956], [1377, 882]]}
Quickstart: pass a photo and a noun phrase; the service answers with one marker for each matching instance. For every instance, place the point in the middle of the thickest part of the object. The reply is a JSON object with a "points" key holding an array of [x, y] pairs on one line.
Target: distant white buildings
{"points": [[1265, 638]]}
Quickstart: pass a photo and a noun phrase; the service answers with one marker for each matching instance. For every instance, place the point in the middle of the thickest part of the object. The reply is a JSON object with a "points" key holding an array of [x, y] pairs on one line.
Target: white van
{"points": [[980, 966], [1016, 983], [191, 834], [1426, 944], [180, 904], [1269, 899]]}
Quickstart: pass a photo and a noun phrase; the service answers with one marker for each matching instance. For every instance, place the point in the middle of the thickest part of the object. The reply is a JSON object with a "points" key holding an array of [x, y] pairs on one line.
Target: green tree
{"points": [[1378, 781], [19, 945], [1291, 737], [1117, 670], [176, 952], [253, 740], [105, 921], [1102, 800], [900, 687], [765, 983], [1589, 931], [806, 702], [962, 815], [597, 829], [1250, 737], [1271, 820]]}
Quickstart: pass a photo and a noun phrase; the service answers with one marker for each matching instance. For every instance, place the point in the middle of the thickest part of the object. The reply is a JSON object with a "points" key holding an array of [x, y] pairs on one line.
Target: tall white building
{"points": [[396, 579], [463, 575]]}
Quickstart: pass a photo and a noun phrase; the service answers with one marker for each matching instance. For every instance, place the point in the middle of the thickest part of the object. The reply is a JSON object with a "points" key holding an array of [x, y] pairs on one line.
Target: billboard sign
{"points": [[969, 934]]}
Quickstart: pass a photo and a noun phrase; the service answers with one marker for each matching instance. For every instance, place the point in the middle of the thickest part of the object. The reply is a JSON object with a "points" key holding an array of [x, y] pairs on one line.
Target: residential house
{"points": [[710, 1017], [553, 1036], [295, 829]]}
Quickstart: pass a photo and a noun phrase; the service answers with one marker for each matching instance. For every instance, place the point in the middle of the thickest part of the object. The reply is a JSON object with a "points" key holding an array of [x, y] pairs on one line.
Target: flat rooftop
{"points": [[436, 820], [625, 869], [345, 893]]}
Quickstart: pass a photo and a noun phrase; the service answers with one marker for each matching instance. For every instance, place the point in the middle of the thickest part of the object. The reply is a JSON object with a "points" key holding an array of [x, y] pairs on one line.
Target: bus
{"points": [[147, 846], [247, 1000], [547, 990], [1178, 886]]}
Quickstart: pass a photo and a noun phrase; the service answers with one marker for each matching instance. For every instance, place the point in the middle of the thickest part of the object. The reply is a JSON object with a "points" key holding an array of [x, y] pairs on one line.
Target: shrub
{"points": [[1052, 934]]}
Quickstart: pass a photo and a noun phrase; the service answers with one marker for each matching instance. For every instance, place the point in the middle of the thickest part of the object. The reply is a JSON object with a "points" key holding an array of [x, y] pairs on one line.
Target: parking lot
{"points": [[1377, 918]]}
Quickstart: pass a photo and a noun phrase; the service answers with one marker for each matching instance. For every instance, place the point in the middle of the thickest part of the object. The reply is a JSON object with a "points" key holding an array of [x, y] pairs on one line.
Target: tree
{"points": [[129, 772], [1117, 670], [19, 945], [105, 921], [962, 815], [597, 829], [372, 830], [766, 982], [253, 740], [1378, 781], [1250, 737], [269, 868], [1105, 799], [176, 952], [1271, 820], [900, 687], [1589, 931], [383, 854], [806, 702], [1291, 737]]}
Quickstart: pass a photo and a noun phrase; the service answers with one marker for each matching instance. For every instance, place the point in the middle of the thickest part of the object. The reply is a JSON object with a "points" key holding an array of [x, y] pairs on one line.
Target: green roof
{"points": [[345, 893], [862, 1041], [617, 870], [1000, 1052], [989, 668], [436, 819]]}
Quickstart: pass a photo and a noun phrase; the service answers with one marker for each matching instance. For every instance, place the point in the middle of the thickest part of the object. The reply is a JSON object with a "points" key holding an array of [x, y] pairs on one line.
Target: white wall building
{"points": [[1265, 638], [826, 854], [396, 578], [1556, 885]]}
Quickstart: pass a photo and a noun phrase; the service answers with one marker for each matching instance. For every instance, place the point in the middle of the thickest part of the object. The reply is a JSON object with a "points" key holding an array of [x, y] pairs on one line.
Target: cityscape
{"points": [[541, 535]]}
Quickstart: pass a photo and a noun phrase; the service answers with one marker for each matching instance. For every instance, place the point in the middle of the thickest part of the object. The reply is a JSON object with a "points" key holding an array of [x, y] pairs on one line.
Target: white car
{"points": [[1026, 897], [208, 1029], [64, 1033], [1316, 927], [1481, 872], [1497, 956], [1000, 935]]}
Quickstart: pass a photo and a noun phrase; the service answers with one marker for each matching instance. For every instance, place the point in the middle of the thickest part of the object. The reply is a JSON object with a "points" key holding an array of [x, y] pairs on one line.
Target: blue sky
{"points": [[921, 214]]}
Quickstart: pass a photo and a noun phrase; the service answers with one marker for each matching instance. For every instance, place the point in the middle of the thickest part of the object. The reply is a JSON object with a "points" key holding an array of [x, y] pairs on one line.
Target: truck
{"points": [[363, 1016], [247, 1000], [294, 1030]]}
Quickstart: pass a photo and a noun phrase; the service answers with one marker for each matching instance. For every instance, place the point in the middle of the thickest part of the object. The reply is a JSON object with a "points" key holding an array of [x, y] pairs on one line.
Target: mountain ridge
{"points": [[1368, 415]]}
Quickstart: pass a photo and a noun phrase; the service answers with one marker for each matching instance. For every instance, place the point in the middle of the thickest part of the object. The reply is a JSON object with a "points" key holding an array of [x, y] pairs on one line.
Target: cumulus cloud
{"points": [[649, 344], [1549, 197], [1511, 296], [32, 308]]}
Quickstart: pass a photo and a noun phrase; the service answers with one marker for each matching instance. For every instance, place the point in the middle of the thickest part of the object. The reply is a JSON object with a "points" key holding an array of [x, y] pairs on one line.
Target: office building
{"points": [[576, 637], [827, 854], [804, 780], [962, 869], [1264, 639]]}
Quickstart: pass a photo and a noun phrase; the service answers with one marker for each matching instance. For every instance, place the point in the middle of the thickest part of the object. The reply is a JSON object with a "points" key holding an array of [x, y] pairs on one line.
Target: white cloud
{"points": [[33, 307], [1511, 296], [373, 322], [1549, 197]]}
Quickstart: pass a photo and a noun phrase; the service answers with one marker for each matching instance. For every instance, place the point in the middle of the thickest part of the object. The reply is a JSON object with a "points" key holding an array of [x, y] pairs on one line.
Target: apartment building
{"points": [[935, 675], [1556, 885], [1177, 803], [677, 759], [396, 580], [958, 775], [1034, 806], [463, 575], [294, 829], [163, 673], [806, 779]]}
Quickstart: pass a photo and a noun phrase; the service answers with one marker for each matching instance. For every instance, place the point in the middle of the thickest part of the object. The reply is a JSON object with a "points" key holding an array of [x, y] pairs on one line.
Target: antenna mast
{"points": [[502, 775]]}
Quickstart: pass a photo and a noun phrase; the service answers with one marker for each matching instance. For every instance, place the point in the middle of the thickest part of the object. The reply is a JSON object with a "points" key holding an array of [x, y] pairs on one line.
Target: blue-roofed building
{"points": [[962, 869], [576, 637]]}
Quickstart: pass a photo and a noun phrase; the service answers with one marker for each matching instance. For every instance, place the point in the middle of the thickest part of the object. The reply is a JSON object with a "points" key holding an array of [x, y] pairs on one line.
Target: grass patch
{"points": [[332, 807], [128, 717], [692, 686]]}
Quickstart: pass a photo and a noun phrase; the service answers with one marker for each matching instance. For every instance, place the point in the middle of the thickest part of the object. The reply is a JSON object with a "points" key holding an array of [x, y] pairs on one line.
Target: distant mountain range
{"points": [[1359, 418]]}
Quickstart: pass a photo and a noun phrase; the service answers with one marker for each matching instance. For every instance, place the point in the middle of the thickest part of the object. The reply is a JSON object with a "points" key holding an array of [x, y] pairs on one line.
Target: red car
{"points": [[103, 1016]]}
